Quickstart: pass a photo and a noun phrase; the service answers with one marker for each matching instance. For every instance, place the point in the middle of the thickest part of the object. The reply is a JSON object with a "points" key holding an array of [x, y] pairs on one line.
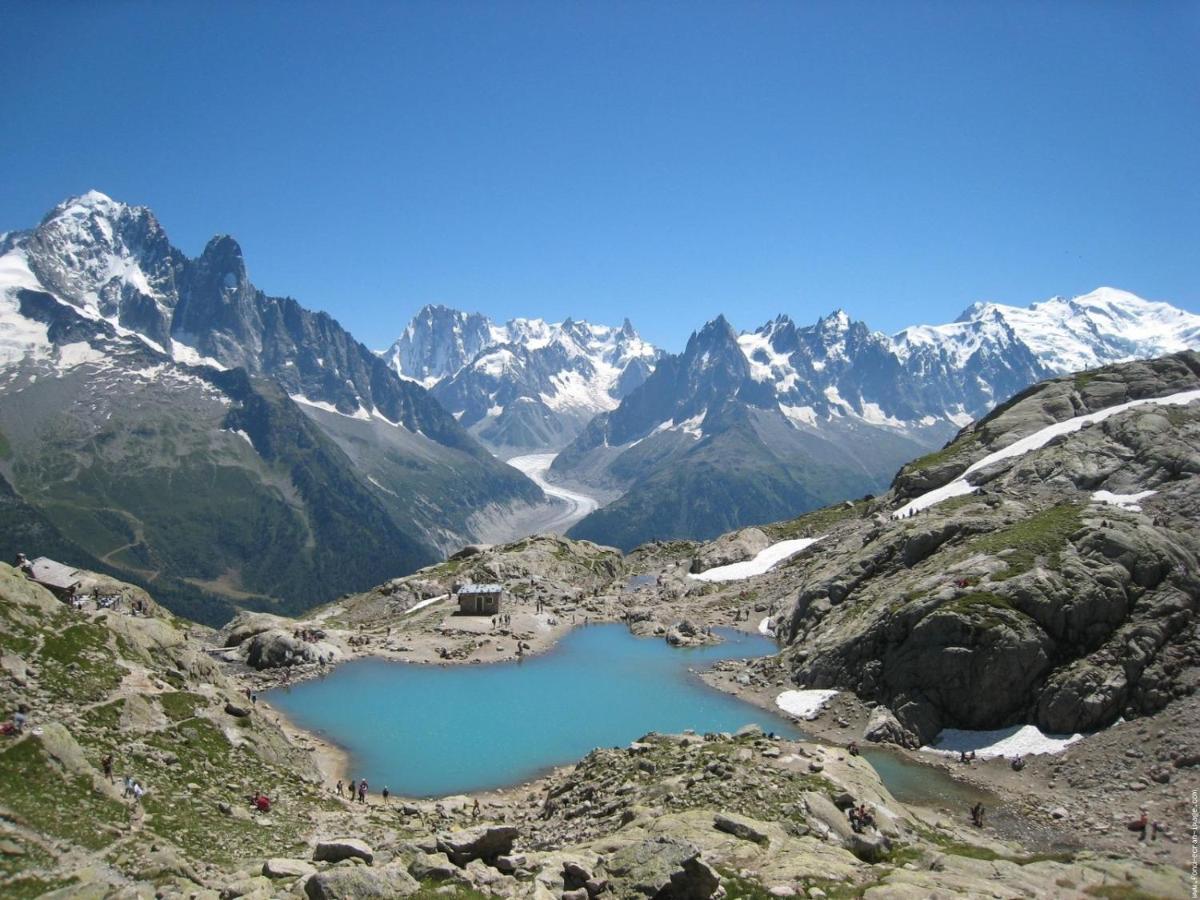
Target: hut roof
{"points": [[480, 589], [55, 574]]}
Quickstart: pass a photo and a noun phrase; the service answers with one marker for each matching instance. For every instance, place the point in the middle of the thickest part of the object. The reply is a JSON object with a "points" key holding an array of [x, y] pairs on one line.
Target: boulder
{"points": [[238, 712], [246, 625], [336, 849], [485, 842], [509, 863], [434, 867], [360, 883], [884, 728], [276, 648], [281, 867], [662, 867], [737, 546], [254, 886], [740, 828]]}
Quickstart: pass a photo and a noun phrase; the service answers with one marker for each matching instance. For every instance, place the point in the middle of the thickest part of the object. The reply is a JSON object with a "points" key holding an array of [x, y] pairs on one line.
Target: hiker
{"points": [[977, 815], [475, 809], [128, 786], [362, 791], [21, 717], [855, 820], [1018, 763], [865, 818], [353, 788], [1139, 824], [138, 791], [262, 802], [384, 793], [853, 748], [107, 763], [339, 787]]}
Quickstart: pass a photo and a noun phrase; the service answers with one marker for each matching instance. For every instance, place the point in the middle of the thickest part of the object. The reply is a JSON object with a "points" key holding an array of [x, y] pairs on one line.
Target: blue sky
{"points": [[660, 161]]}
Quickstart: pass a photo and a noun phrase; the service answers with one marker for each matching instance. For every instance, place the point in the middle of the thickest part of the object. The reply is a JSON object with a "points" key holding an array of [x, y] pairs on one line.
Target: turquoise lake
{"points": [[427, 730]]}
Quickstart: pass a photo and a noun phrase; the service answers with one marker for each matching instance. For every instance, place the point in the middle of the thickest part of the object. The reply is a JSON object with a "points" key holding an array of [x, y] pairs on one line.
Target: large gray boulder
{"points": [[246, 625], [663, 867], [275, 648], [484, 842], [282, 867], [737, 546], [884, 728], [334, 850], [361, 883]]}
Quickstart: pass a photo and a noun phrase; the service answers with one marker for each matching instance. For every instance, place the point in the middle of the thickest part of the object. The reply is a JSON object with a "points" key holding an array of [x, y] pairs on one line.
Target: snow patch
{"points": [[760, 565], [804, 704], [78, 354], [191, 356], [799, 415], [1035, 441], [421, 604], [360, 413], [1016, 740], [1125, 501]]}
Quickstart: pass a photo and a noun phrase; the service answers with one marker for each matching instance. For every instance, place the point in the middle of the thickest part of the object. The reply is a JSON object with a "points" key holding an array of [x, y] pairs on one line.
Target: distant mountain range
{"points": [[169, 421], [747, 428], [228, 447]]}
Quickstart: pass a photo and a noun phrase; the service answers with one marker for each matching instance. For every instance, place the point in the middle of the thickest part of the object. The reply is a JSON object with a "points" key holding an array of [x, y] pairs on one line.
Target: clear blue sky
{"points": [[657, 160]]}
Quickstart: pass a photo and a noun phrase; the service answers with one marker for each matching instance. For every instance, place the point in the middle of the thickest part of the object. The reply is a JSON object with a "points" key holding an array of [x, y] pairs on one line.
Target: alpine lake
{"points": [[434, 730]]}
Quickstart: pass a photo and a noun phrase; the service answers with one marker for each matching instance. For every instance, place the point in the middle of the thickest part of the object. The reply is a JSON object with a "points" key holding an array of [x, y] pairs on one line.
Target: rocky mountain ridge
{"points": [[194, 434], [527, 384], [839, 404]]}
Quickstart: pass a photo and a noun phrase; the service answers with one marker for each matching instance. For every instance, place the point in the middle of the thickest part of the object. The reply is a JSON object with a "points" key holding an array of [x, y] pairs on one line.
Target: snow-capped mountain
{"points": [[175, 424], [1097, 329], [527, 384], [839, 405]]}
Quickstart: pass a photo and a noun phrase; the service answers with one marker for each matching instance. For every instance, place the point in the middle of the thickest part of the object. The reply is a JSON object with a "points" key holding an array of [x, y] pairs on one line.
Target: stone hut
{"points": [[479, 599], [61, 580]]}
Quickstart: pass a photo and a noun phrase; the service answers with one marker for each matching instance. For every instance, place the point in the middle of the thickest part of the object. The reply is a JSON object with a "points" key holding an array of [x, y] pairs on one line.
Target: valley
{"points": [[575, 505]]}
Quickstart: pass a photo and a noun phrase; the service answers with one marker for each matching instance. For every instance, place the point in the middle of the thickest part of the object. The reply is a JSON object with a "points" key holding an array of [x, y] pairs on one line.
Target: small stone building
{"points": [[479, 599], [62, 580]]}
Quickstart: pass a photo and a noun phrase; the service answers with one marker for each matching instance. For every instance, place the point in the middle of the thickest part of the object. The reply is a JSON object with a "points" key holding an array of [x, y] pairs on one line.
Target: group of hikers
{"points": [[1144, 826], [308, 635], [503, 620], [861, 818], [358, 791]]}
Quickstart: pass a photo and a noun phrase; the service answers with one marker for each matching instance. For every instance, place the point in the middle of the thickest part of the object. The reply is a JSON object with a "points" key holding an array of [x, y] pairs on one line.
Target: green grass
{"points": [[814, 523], [1118, 892], [1083, 379], [739, 888], [32, 886], [76, 663], [946, 454], [433, 890], [54, 802], [1041, 536], [987, 854], [180, 705]]}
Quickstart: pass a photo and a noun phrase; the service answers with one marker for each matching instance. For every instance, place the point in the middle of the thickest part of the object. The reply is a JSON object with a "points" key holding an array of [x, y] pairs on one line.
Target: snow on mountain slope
{"points": [[1096, 329], [525, 384]]}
